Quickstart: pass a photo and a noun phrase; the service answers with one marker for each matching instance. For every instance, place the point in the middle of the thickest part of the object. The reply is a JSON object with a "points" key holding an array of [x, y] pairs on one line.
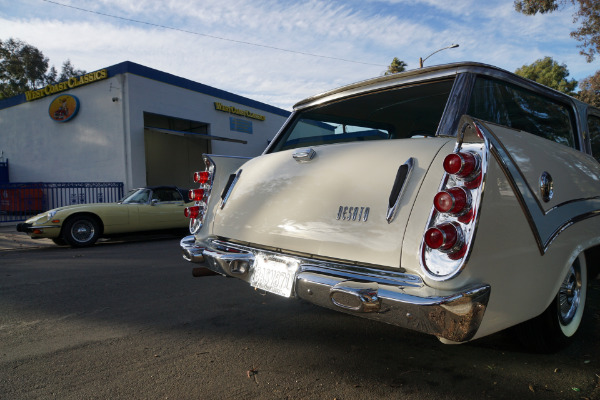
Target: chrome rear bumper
{"points": [[392, 297]]}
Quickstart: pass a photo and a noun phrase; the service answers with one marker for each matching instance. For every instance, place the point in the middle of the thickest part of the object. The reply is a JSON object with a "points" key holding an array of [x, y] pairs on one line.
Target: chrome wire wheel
{"points": [[570, 300], [82, 231]]}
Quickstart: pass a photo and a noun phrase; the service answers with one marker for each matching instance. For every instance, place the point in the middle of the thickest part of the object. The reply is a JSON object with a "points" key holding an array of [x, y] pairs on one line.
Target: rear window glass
{"points": [[406, 112], [518, 108]]}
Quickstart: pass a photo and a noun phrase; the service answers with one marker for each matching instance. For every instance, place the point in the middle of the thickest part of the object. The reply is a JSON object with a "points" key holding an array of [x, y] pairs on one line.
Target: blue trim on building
{"points": [[154, 74], [12, 101]]}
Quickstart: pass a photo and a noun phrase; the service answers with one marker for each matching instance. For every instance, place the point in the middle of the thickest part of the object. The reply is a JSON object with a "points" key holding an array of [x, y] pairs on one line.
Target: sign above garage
{"points": [[237, 111]]}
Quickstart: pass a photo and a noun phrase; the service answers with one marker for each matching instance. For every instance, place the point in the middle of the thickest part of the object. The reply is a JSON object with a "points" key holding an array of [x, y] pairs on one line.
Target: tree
{"points": [[588, 14], [590, 90], [67, 71], [550, 73], [395, 67], [23, 67]]}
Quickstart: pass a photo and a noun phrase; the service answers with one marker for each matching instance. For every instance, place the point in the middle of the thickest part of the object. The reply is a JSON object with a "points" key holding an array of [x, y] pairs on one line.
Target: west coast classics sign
{"points": [[69, 84]]}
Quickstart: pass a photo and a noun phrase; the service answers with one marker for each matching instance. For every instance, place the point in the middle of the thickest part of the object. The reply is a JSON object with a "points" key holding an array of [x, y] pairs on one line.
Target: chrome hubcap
{"points": [[569, 295]]}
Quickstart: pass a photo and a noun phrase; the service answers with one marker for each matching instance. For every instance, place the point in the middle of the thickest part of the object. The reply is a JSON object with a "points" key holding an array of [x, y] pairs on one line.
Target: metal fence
{"points": [[19, 201]]}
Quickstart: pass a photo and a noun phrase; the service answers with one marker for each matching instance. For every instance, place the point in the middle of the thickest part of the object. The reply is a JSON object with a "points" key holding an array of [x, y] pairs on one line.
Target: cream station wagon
{"points": [[456, 200]]}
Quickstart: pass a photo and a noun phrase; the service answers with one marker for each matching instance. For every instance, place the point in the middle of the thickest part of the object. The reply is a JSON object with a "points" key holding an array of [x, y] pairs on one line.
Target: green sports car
{"points": [[143, 209]]}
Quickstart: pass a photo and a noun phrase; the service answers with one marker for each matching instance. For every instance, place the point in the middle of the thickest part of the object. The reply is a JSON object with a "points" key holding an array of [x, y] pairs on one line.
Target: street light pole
{"points": [[422, 60]]}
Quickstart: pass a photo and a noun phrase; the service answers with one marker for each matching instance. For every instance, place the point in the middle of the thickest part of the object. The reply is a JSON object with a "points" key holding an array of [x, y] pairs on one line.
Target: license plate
{"points": [[274, 274]]}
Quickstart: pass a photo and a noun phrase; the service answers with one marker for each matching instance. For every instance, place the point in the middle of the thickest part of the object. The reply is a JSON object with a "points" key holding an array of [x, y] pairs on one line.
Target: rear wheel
{"points": [[81, 231], [556, 327]]}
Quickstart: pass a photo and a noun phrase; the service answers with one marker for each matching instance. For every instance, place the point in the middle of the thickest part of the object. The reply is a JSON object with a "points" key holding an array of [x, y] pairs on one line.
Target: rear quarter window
{"points": [[518, 108]]}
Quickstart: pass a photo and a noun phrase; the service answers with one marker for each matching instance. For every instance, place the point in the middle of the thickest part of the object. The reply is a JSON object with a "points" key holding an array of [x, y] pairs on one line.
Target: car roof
{"points": [[429, 73]]}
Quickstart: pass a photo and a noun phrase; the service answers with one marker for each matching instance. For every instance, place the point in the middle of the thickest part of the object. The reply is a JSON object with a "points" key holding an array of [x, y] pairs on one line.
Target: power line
{"points": [[209, 36]]}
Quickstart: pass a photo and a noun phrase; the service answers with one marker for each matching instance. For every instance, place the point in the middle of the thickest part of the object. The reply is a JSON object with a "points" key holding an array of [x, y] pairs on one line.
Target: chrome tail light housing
{"points": [[200, 196], [452, 222]]}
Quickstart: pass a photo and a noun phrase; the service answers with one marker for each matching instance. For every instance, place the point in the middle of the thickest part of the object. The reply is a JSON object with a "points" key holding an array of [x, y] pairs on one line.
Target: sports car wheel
{"points": [[81, 231], [556, 327]]}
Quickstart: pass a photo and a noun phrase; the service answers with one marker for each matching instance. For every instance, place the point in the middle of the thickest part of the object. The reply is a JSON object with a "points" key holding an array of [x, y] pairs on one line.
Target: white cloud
{"points": [[370, 32]]}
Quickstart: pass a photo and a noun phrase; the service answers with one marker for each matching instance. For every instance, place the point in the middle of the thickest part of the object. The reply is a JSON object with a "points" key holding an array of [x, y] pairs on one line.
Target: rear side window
{"points": [[518, 108], [398, 113], [594, 128]]}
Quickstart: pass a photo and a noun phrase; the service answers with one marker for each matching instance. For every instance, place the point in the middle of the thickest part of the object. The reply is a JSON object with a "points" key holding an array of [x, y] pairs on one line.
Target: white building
{"points": [[129, 123]]}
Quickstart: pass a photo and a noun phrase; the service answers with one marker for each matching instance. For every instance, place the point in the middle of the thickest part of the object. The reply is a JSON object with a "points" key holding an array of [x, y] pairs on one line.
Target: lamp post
{"points": [[422, 60]]}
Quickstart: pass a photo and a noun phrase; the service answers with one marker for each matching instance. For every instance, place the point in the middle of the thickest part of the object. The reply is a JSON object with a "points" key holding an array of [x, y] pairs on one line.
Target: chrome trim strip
{"points": [[393, 297], [545, 226], [392, 211], [32, 227]]}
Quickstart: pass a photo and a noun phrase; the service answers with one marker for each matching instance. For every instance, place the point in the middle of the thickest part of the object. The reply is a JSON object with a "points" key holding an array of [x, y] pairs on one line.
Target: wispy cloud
{"points": [[370, 32]]}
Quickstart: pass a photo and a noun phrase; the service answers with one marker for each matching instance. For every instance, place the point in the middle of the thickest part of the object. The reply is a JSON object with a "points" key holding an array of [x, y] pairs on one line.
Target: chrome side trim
{"points": [[32, 227], [545, 226], [393, 297]]}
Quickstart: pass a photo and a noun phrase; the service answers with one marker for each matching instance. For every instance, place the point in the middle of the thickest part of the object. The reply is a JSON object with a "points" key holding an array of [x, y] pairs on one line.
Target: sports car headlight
{"points": [[48, 216]]}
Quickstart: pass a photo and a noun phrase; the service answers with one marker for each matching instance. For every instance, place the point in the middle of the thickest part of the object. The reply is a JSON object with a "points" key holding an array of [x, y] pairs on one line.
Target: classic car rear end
{"points": [[454, 200]]}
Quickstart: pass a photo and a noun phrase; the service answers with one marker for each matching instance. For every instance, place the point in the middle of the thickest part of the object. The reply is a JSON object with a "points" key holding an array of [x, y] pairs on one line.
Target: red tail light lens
{"points": [[196, 194], [442, 237], [192, 212], [201, 177], [461, 164], [454, 201]]}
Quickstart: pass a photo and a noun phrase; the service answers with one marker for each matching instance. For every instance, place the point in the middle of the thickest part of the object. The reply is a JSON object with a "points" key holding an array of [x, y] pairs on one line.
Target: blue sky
{"points": [[229, 44]]}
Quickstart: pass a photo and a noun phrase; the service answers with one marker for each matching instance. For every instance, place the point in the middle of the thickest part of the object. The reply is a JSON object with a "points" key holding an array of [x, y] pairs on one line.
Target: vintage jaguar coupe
{"points": [[144, 209], [455, 200]]}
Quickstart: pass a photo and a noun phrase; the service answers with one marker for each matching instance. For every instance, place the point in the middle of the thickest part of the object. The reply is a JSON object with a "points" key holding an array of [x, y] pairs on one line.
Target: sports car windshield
{"points": [[137, 196], [398, 113]]}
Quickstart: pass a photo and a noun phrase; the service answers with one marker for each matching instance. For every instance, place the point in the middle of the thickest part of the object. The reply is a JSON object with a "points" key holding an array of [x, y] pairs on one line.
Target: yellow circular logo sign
{"points": [[63, 108]]}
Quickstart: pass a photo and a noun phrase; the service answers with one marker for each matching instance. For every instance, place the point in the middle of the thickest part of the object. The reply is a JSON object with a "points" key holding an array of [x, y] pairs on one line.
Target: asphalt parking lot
{"points": [[126, 320]]}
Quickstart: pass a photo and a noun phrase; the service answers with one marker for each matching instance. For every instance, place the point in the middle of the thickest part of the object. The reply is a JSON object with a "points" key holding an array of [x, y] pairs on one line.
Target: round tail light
{"points": [[443, 237], [201, 177], [461, 164], [454, 201], [192, 212], [196, 194]]}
